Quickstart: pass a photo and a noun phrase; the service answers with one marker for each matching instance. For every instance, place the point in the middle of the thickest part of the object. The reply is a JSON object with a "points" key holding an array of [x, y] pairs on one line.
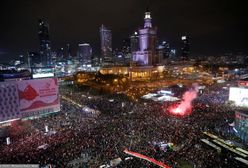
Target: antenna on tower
{"points": [[148, 6]]}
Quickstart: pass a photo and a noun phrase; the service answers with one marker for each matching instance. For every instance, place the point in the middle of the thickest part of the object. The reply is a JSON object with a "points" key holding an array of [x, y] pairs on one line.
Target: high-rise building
{"points": [[118, 57], [33, 59], [147, 35], [122, 55], [126, 50], [134, 42], [45, 44], [95, 60], [84, 54], [172, 54], [54, 57], [147, 43], [163, 51], [185, 50], [60, 54], [68, 51], [22, 59], [106, 45]]}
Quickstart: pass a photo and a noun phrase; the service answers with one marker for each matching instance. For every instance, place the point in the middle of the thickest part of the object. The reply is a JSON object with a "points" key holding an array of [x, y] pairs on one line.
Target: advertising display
{"points": [[39, 95], [9, 101], [239, 96], [28, 98], [243, 83], [42, 72]]}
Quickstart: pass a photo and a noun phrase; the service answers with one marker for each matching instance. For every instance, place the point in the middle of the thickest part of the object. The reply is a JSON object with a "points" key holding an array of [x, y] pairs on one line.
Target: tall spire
{"points": [[148, 19], [148, 6]]}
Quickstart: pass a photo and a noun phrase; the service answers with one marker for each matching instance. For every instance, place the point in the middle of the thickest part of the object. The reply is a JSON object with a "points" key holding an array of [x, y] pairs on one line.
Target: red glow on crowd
{"points": [[179, 110], [184, 108]]}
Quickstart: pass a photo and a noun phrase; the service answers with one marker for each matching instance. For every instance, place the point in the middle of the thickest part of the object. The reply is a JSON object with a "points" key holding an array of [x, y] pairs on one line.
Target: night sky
{"points": [[215, 26]]}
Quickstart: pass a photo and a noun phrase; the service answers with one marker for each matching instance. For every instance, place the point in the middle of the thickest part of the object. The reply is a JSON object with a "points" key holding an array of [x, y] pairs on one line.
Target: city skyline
{"points": [[213, 27]]}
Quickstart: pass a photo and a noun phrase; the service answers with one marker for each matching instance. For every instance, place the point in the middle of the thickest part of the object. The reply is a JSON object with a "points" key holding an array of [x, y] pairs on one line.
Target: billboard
{"points": [[27, 98], [239, 96], [9, 101], [42, 72], [38, 95]]}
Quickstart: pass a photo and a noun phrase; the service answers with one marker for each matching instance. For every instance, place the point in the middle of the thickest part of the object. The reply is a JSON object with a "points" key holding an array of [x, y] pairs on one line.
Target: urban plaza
{"points": [[123, 84]]}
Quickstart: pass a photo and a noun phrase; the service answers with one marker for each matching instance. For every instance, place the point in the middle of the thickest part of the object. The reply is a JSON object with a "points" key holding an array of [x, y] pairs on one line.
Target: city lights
{"points": [[123, 84]]}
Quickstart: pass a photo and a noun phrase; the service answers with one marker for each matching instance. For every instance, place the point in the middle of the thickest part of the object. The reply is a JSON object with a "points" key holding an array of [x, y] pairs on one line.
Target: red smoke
{"points": [[185, 106]]}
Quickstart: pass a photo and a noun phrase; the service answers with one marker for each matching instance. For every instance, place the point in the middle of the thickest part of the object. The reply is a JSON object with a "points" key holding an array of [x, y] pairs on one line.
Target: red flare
{"points": [[138, 155]]}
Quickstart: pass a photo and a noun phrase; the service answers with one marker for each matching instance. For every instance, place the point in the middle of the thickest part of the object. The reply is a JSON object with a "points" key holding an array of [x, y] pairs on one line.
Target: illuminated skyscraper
{"points": [[185, 50], [126, 43], [106, 45], [147, 35], [134, 42], [45, 48], [165, 48], [68, 51], [147, 43], [33, 59], [84, 53]]}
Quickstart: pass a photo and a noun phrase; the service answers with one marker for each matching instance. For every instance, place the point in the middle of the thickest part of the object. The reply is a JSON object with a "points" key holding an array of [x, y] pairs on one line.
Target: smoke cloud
{"points": [[185, 106]]}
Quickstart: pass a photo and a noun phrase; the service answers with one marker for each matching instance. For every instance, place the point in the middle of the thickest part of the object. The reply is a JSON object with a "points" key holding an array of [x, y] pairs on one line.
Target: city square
{"points": [[168, 94]]}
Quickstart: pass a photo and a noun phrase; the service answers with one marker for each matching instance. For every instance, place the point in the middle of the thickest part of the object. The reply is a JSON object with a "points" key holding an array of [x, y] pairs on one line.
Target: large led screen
{"points": [[239, 96]]}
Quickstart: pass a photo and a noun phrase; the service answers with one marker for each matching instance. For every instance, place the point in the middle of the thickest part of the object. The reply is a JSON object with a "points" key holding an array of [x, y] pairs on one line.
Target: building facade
{"points": [[84, 54], [106, 45], [134, 42], [146, 55], [45, 44], [33, 59], [68, 52], [185, 50]]}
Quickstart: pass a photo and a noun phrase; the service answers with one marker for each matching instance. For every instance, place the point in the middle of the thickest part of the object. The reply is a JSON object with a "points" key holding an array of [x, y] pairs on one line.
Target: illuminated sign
{"points": [[239, 96], [38, 94], [27, 98], [42, 72], [43, 75]]}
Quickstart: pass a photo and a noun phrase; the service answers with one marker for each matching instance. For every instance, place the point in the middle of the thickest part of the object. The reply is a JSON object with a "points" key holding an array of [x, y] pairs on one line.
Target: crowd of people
{"points": [[91, 141]]}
